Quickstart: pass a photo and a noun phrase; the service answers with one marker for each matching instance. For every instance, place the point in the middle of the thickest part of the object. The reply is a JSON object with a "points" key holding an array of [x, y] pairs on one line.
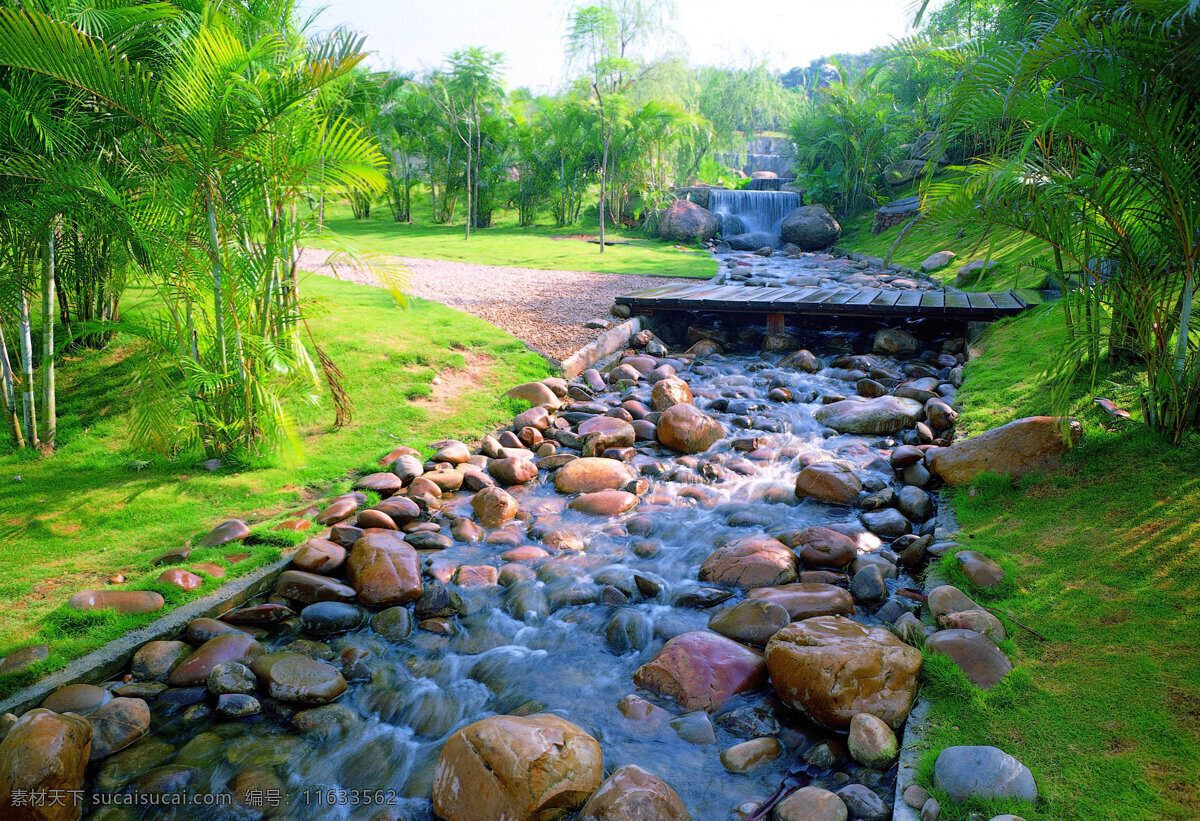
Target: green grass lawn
{"points": [[1105, 560], [506, 243], [1013, 251], [95, 508]]}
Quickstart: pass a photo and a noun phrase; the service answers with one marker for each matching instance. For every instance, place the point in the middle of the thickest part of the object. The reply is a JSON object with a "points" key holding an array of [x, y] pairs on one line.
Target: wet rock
{"points": [[687, 429], [632, 794], [123, 601], [401, 510], [702, 597], [605, 502], [337, 510], [811, 227], [978, 621], [914, 503], [863, 803], [135, 760], [237, 705], [982, 773], [370, 518], [823, 547], [807, 599], [881, 415], [888, 523], [19, 659], [178, 577], [752, 561], [1035, 443], [260, 614], [748, 755], [494, 506], [524, 769], [947, 598], [832, 668], [592, 474], [872, 742], [196, 668], [535, 393], [915, 796], [155, 660], [628, 630], [830, 482], [117, 724], [83, 699], [328, 720], [330, 618], [476, 576], [979, 569], [867, 585], [231, 677], [44, 754], [670, 392], [982, 662], [385, 484], [319, 556], [695, 728], [512, 471], [298, 679], [701, 670], [895, 342], [233, 530], [308, 588], [811, 804], [753, 621], [384, 570]]}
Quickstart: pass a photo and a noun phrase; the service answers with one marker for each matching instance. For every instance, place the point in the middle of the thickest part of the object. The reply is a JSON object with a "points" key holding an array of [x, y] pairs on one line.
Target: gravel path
{"points": [[546, 309]]}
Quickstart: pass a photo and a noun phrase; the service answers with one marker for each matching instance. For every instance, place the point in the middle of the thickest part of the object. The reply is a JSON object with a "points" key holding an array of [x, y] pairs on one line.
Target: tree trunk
{"points": [[48, 292], [25, 336], [218, 298], [8, 393], [603, 166]]}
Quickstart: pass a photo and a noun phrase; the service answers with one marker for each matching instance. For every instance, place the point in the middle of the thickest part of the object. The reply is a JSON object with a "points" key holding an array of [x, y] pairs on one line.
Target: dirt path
{"points": [[546, 309]]}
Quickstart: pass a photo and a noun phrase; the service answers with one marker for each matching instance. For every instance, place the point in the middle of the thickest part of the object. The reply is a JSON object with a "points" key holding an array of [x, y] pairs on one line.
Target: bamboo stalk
{"points": [[25, 339], [8, 393], [48, 293]]}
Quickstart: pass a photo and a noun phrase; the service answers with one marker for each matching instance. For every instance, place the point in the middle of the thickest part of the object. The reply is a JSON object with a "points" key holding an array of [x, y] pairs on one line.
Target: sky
{"points": [[417, 34]]}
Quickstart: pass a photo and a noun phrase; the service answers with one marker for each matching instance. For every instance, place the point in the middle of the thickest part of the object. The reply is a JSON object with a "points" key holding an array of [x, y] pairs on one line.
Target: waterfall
{"points": [[746, 212]]}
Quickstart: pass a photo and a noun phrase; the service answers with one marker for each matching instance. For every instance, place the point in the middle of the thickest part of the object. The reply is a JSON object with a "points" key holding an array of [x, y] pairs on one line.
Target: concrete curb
{"points": [[105, 662], [604, 345]]}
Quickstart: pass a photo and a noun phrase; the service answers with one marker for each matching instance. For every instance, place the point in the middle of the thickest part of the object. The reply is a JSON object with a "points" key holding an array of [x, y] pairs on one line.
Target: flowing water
{"points": [[752, 212], [541, 645]]}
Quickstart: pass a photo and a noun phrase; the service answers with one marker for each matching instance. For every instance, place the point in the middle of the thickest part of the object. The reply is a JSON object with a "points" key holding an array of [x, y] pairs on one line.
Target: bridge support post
{"points": [[776, 323]]}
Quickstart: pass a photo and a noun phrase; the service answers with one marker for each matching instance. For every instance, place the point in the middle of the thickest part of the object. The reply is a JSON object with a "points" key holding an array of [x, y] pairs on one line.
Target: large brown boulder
{"points": [[807, 599], [118, 724], [668, 392], [384, 569], [831, 482], [688, 429], [832, 668], [1034, 443], [824, 547], [883, 414], [632, 794], [298, 679], [42, 753], [535, 768], [493, 506], [219, 649], [685, 221], [701, 670], [812, 227], [592, 473], [752, 561]]}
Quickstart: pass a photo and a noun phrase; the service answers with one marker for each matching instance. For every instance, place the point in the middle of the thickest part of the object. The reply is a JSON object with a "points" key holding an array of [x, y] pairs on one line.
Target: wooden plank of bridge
{"points": [[816, 298], [955, 299], [841, 298], [1008, 301], [865, 296], [886, 299], [790, 297], [909, 299], [979, 300], [933, 301]]}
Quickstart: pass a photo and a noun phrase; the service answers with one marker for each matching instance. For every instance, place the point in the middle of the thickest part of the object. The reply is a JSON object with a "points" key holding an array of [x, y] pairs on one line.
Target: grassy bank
{"points": [[94, 509], [506, 243], [1105, 562]]}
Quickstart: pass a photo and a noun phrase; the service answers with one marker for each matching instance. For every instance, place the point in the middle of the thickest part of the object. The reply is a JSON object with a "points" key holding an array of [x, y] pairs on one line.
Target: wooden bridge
{"points": [[778, 303]]}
